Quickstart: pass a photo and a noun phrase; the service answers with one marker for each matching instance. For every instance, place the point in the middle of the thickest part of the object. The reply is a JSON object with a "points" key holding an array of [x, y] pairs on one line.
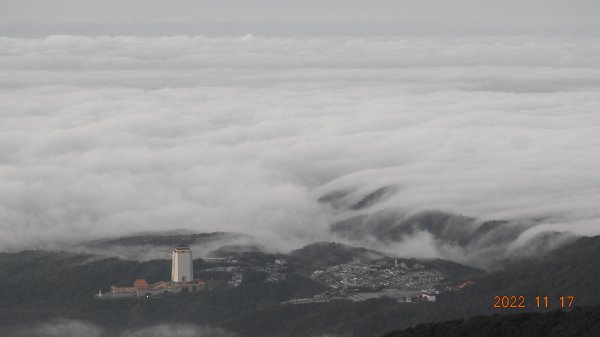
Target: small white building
{"points": [[429, 297], [182, 269]]}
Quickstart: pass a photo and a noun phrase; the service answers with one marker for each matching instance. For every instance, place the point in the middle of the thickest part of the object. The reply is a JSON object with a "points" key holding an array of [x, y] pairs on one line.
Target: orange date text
{"points": [[522, 302]]}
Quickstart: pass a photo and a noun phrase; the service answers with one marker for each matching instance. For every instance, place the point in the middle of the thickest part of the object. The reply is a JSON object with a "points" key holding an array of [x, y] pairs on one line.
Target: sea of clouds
{"points": [[104, 136]]}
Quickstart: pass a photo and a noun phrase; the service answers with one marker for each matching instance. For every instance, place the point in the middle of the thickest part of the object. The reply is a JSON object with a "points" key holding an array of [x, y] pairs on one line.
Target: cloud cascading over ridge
{"points": [[112, 135]]}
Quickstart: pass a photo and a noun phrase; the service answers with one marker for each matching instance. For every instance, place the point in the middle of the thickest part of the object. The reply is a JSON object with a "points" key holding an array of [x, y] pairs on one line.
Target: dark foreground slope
{"points": [[581, 322]]}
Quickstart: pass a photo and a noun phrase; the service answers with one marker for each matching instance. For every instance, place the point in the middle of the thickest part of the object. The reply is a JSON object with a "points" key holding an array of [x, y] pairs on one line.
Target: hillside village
{"points": [[401, 281]]}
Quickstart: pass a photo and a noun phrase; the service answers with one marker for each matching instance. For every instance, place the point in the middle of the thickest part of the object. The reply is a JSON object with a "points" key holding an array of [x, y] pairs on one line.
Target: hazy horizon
{"points": [[38, 18]]}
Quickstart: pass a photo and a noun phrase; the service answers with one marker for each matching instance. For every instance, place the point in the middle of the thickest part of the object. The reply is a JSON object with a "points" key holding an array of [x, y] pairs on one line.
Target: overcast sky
{"points": [[299, 18]]}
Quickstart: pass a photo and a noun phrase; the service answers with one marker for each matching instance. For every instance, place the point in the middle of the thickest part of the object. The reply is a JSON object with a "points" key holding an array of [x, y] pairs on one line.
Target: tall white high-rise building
{"points": [[182, 269]]}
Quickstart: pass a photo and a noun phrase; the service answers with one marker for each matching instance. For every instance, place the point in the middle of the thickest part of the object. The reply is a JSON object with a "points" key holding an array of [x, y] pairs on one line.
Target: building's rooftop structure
{"points": [[182, 249]]}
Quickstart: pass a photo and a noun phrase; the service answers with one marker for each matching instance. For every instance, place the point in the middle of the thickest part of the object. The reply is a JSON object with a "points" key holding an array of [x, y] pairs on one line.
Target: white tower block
{"points": [[182, 269]]}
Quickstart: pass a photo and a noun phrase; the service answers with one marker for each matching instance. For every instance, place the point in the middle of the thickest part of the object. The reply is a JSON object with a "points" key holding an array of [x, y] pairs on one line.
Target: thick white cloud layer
{"points": [[112, 135]]}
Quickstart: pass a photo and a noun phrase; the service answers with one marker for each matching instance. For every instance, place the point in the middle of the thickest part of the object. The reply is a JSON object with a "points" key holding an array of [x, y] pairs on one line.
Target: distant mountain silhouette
{"points": [[339, 199]]}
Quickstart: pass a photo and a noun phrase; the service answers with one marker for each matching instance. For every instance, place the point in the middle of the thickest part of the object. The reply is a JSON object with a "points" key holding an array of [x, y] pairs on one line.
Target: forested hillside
{"points": [[581, 322]]}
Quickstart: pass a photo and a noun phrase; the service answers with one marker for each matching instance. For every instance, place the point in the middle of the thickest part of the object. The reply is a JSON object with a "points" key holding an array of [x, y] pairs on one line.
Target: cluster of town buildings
{"points": [[400, 295], [360, 282], [182, 278], [374, 276]]}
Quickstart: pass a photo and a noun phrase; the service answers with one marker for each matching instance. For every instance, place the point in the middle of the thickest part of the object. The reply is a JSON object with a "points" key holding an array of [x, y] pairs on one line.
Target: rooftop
{"points": [[182, 249]]}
